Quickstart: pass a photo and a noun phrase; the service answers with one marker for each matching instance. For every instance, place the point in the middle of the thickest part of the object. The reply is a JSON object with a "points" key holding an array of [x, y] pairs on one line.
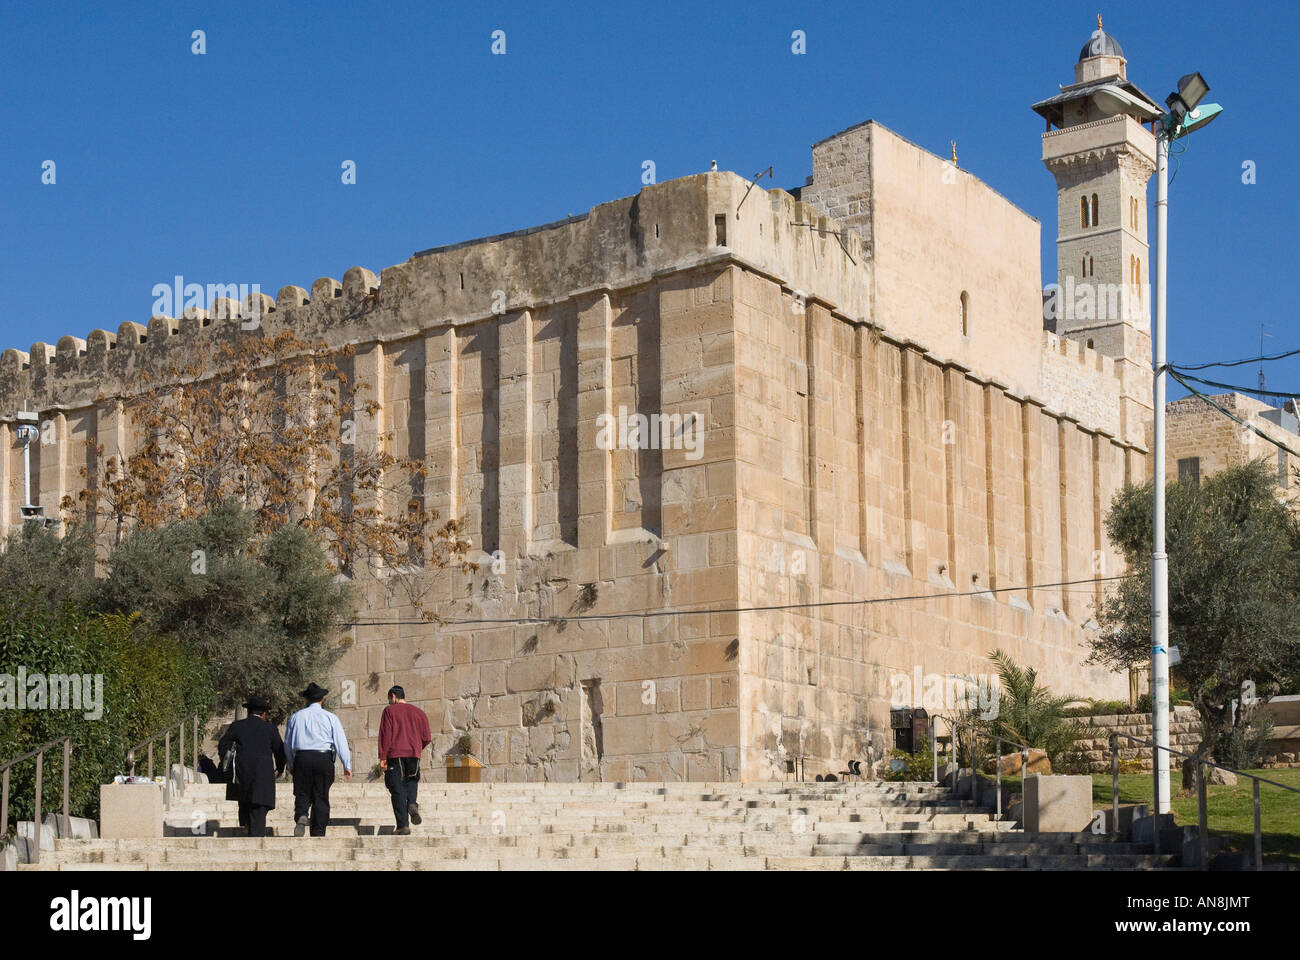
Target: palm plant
{"points": [[1028, 713]]}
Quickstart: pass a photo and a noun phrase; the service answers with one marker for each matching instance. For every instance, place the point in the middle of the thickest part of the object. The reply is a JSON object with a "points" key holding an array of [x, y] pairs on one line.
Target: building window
{"points": [[1083, 211], [1089, 344], [1085, 265], [965, 314], [1095, 218], [1189, 471], [720, 230]]}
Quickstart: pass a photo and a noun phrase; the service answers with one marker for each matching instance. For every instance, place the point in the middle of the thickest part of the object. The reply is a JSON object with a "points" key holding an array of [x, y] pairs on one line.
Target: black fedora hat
{"points": [[314, 692], [256, 704]]}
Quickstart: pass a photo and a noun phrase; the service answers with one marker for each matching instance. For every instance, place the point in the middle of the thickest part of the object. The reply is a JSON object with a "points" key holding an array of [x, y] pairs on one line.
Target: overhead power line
{"points": [[652, 614], [1232, 416], [1236, 388], [1235, 363]]}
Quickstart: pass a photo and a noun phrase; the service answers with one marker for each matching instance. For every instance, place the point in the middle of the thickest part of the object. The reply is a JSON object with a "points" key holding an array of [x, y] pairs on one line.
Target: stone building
{"points": [[862, 404], [1200, 440]]}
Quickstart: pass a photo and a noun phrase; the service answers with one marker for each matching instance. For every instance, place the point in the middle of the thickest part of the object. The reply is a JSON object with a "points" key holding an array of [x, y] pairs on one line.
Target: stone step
{"points": [[930, 848]]}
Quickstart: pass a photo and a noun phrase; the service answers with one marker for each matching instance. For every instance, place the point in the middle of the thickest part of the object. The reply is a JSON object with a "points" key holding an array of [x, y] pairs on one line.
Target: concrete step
{"points": [[531, 826]]}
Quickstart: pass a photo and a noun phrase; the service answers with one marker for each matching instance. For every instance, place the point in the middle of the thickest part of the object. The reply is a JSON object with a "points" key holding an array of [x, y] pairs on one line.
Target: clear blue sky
{"points": [[226, 167]]}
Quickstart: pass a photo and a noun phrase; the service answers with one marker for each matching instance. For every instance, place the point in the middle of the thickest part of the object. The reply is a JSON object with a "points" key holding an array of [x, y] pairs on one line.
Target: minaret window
{"points": [[1094, 210], [1083, 211], [965, 314]]}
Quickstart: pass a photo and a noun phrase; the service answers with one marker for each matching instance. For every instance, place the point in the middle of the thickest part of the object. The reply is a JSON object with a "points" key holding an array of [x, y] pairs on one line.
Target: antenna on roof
{"points": [[1262, 335]]}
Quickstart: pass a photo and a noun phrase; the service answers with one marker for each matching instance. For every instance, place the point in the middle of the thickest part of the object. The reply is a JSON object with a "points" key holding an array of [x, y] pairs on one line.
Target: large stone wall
{"points": [[877, 451]]}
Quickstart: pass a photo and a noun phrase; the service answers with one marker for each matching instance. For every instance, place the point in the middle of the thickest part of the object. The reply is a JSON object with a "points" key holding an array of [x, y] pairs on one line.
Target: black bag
{"points": [[228, 765]]}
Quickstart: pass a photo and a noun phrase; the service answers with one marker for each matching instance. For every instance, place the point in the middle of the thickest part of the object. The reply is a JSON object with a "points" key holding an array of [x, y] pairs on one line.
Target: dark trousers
{"points": [[313, 775], [403, 781], [253, 816]]}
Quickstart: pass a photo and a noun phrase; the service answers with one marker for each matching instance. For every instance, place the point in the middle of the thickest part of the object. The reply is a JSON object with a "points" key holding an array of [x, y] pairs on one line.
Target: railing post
{"points": [[167, 755], [196, 745], [1202, 816], [953, 745], [1259, 837], [150, 759], [1024, 770], [180, 745], [40, 769], [998, 774], [4, 804], [1114, 785], [934, 746], [67, 777], [974, 769]]}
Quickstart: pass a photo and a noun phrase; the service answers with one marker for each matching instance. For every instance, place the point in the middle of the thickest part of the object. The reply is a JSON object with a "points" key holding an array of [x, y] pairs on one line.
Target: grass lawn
{"points": [[1230, 812]]}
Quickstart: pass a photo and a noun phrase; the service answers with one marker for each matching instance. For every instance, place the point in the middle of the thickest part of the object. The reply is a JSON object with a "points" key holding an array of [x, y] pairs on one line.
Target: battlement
{"points": [[675, 225], [1081, 382], [1075, 352]]}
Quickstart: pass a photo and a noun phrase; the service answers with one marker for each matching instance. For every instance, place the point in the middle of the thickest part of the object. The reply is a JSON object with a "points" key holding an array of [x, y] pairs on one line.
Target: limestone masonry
{"points": [[881, 414]]}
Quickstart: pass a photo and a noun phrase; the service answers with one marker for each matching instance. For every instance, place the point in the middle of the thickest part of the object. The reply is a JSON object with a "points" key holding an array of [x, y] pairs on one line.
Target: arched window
{"points": [[965, 314], [1091, 271], [1083, 211], [1095, 219]]}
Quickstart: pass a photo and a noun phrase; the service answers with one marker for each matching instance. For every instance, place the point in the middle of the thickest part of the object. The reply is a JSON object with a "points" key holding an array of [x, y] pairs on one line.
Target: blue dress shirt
{"points": [[315, 728]]}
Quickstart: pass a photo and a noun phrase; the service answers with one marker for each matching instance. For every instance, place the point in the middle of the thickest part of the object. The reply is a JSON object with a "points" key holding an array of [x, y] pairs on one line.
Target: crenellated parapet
{"points": [[676, 225]]}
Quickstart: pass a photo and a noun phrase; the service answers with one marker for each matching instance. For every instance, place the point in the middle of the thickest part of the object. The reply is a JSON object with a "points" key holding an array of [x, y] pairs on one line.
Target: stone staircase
{"points": [[610, 826]]}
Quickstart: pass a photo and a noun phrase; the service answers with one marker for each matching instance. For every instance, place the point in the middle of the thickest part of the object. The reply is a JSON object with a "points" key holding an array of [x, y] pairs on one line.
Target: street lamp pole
{"points": [[1185, 115], [1160, 559]]}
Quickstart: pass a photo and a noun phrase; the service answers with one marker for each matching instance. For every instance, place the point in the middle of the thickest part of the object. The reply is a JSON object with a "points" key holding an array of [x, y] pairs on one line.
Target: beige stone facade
{"points": [[881, 418], [1200, 441]]}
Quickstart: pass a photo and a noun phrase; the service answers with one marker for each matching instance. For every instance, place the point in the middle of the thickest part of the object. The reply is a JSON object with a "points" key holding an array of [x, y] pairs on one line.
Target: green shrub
{"points": [[148, 682], [917, 766]]}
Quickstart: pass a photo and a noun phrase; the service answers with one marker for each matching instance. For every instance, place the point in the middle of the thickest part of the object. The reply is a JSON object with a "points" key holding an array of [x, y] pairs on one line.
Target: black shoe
{"points": [[300, 826], [413, 811], [403, 831]]}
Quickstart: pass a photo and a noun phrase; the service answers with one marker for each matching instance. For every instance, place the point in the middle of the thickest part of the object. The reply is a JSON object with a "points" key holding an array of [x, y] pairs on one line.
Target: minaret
{"points": [[1101, 155]]}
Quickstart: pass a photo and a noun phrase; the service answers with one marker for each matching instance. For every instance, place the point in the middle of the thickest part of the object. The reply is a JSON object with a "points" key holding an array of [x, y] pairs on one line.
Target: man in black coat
{"points": [[259, 759]]}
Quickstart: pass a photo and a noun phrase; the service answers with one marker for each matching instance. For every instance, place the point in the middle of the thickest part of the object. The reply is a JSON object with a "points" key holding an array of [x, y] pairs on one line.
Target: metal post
{"points": [[1259, 837], [196, 743], [167, 755], [1160, 559], [998, 774], [67, 776], [934, 746], [180, 745], [1024, 769], [974, 769], [1114, 785], [36, 849], [4, 804], [150, 759], [1201, 816]]}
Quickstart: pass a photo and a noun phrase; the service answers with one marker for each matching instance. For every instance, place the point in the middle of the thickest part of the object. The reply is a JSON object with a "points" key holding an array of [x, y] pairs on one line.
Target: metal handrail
{"points": [[167, 746], [39, 754], [1202, 815], [974, 766]]}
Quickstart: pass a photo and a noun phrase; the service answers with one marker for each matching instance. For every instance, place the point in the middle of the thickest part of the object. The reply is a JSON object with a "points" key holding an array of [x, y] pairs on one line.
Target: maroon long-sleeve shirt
{"points": [[403, 731]]}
